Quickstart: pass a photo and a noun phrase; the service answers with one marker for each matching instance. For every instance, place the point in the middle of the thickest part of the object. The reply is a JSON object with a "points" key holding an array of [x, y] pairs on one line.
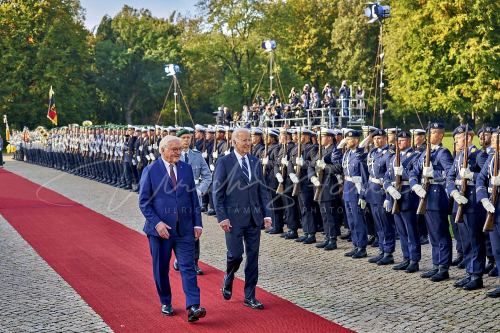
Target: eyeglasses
{"points": [[175, 149]]}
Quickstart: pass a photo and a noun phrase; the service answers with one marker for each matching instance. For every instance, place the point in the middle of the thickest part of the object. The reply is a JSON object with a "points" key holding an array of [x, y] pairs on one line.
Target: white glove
{"points": [[294, 178], [362, 203], [495, 181], [199, 192], [419, 190], [394, 193], [488, 205], [284, 161], [460, 199], [428, 171], [365, 142], [148, 158], [279, 177], [466, 173], [140, 148], [315, 181], [215, 154], [204, 154], [398, 171], [321, 164], [386, 205], [212, 167], [341, 143], [227, 152], [265, 160], [152, 156], [299, 161], [138, 158]]}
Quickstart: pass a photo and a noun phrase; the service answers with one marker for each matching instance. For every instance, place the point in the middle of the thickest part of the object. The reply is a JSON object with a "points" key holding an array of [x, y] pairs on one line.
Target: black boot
{"points": [[311, 239], [493, 272], [351, 253], [375, 259], [301, 238], [322, 244], [441, 275], [412, 267], [291, 234], [461, 265], [331, 245], [430, 273], [388, 259], [495, 293], [462, 282], [476, 282], [401, 266], [490, 265], [361, 253], [458, 259]]}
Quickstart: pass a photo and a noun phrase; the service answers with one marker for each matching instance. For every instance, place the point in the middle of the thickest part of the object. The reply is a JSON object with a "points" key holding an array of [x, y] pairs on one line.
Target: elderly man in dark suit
{"points": [[169, 201], [241, 203]]}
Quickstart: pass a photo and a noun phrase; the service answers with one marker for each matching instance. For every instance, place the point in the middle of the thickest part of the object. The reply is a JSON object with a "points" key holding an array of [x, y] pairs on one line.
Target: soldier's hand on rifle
{"points": [[362, 203], [398, 170], [279, 177], [428, 172], [212, 167], [284, 161], [394, 193], [321, 164], [265, 161], [460, 199], [294, 178], [488, 205], [315, 181], [466, 173], [215, 154], [299, 161], [386, 205], [204, 154], [495, 180], [419, 190]]}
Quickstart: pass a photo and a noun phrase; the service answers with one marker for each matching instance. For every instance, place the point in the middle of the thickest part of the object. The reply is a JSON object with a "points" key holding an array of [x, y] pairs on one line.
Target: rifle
{"points": [[459, 218], [266, 150], [281, 186], [214, 149], [319, 172], [296, 187], [397, 181], [228, 142], [490, 217], [412, 138], [422, 205]]}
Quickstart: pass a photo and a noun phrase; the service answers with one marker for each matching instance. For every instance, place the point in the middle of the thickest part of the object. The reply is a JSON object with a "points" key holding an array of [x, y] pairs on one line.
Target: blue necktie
{"points": [[244, 168], [186, 159]]}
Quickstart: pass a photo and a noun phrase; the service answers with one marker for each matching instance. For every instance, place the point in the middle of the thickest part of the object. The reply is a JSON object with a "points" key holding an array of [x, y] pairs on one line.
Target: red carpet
{"points": [[110, 267]]}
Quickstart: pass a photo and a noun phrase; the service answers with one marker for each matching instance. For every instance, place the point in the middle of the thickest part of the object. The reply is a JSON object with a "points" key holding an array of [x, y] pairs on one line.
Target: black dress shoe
{"points": [[203, 209], [167, 310], [441, 275], [322, 244], [401, 266], [196, 312], [301, 238], [476, 282], [461, 265], [489, 266], [198, 270], [457, 260], [495, 293], [412, 267], [227, 289], [292, 234], [374, 260], [253, 303], [430, 273], [493, 272], [388, 259], [176, 265], [351, 253], [275, 231], [211, 212], [462, 282], [311, 239], [331, 245], [361, 253]]}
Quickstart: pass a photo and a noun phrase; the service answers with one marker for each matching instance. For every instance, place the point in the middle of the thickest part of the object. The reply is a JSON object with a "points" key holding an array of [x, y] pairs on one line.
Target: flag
{"points": [[52, 113]]}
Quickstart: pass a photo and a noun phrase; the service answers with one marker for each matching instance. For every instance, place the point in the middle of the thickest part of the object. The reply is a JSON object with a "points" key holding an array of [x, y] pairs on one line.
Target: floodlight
{"points": [[172, 69], [375, 11], [269, 45]]}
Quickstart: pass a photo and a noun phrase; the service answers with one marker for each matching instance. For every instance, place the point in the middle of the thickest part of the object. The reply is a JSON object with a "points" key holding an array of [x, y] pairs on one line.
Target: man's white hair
{"points": [[237, 131], [166, 141]]}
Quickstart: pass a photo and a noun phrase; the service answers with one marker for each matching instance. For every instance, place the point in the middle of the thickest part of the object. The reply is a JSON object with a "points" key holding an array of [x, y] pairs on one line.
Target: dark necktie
{"points": [[186, 159], [172, 176], [244, 168]]}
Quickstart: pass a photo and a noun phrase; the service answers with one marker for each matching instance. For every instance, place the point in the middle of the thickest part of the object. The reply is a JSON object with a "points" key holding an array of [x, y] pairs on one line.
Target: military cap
{"points": [[220, 128], [256, 131], [485, 129], [417, 131], [369, 129], [461, 129], [182, 131], [200, 128], [327, 131], [393, 130], [337, 131], [378, 132], [274, 132], [144, 130], [404, 134], [437, 125], [211, 129], [352, 134]]}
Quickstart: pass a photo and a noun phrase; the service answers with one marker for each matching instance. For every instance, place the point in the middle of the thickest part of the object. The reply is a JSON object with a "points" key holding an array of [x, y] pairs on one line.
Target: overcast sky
{"points": [[96, 9]]}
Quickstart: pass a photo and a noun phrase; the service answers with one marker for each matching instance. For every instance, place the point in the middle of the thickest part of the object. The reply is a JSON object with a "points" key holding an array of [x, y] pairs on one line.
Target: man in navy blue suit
{"points": [[241, 203], [169, 201]]}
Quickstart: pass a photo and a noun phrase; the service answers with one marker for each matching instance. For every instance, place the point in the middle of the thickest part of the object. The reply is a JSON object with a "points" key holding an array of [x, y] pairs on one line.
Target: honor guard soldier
{"points": [[405, 217], [354, 167], [487, 194], [430, 171], [219, 144], [269, 161], [257, 141], [374, 195]]}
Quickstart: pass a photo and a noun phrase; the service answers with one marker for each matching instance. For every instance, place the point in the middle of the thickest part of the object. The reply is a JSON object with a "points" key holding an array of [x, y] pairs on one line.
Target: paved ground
{"points": [[353, 293]]}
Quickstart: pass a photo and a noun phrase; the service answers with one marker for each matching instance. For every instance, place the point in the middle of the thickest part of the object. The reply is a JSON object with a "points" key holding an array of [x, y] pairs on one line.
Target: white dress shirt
{"points": [[240, 161]]}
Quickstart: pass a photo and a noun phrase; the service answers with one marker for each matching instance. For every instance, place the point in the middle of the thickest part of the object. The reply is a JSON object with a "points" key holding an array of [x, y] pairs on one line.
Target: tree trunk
{"points": [[129, 109]]}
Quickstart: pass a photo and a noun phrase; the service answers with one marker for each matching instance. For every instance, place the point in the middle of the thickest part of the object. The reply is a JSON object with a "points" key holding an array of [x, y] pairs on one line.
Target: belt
{"points": [[351, 179], [403, 182], [469, 182], [435, 182], [374, 180]]}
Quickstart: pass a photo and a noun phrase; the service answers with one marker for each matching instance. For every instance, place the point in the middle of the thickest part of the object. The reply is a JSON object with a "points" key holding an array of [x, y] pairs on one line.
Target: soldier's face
{"points": [[326, 140], [185, 141], [198, 135], [419, 140], [403, 143], [255, 139], [437, 136], [485, 139], [172, 152], [209, 136], [379, 141], [460, 141], [352, 143]]}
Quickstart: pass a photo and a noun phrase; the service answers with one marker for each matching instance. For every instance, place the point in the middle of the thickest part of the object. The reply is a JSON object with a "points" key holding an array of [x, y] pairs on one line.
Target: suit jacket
{"points": [[158, 200], [236, 199]]}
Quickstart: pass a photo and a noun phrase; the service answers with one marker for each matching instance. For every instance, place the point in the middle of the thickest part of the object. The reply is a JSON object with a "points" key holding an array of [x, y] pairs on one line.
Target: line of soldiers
{"points": [[391, 185]]}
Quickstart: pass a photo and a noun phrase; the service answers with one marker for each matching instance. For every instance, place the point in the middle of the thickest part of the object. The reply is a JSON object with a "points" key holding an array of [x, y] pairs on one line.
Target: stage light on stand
{"points": [[269, 45]]}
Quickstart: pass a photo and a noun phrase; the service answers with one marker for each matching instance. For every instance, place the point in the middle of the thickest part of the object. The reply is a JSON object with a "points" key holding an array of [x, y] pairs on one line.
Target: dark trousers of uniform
{"points": [[407, 228], [473, 245], [357, 224], [457, 234], [277, 209], [161, 251], [329, 217], [439, 236], [1, 158], [290, 205], [384, 228], [370, 222], [244, 239], [127, 170], [306, 200], [495, 239]]}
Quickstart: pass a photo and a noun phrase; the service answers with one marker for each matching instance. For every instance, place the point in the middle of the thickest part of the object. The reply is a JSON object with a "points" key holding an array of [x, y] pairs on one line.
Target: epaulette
{"points": [[196, 150]]}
